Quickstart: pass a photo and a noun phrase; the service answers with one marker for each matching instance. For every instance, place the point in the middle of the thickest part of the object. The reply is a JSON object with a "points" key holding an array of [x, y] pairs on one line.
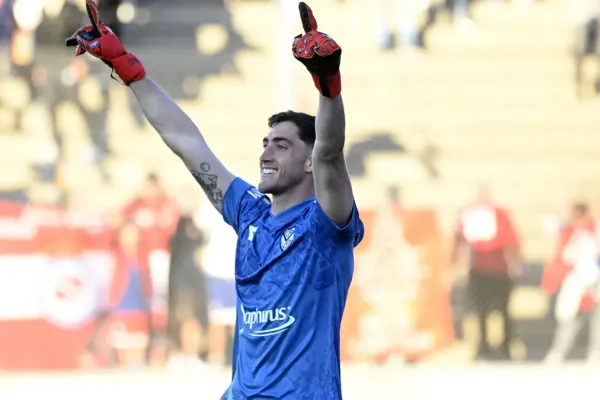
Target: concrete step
{"points": [[548, 14], [43, 193], [102, 198], [486, 40], [125, 173], [512, 170], [528, 198], [475, 66], [76, 175], [20, 176], [415, 96], [25, 149], [527, 139]]}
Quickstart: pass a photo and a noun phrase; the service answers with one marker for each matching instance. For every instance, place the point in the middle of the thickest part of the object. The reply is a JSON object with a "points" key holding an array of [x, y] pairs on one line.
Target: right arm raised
{"points": [[183, 137], [176, 129]]}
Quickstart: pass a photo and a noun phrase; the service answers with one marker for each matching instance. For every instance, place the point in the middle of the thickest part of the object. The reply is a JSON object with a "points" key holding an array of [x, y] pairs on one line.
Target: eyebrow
{"points": [[277, 139]]}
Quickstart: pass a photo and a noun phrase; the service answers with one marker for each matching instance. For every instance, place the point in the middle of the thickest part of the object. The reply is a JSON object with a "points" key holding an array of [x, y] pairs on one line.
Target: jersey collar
{"points": [[282, 219]]}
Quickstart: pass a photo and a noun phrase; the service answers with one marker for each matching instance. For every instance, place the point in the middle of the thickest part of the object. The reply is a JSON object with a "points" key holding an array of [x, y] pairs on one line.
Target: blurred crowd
{"points": [[586, 43], [404, 23], [135, 327], [486, 234]]}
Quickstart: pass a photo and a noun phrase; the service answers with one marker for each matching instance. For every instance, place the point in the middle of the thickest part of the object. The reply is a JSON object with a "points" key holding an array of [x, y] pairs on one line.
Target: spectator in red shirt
{"points": [[129, 301], [155, 214], [487, 232]]}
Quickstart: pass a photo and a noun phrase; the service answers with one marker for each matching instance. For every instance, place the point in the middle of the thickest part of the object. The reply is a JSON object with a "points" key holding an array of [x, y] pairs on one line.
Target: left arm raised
{"points": [[332, 181], [321, 55]]}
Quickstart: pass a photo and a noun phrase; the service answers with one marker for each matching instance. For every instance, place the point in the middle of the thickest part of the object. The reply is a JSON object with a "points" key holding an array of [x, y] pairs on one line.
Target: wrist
{"points": [[329, 86], [128, 68]]}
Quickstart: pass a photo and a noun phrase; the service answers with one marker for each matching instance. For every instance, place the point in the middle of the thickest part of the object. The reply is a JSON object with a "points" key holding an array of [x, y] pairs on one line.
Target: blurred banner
{"points": [[64, 290], [54, 271], [398, 306]]}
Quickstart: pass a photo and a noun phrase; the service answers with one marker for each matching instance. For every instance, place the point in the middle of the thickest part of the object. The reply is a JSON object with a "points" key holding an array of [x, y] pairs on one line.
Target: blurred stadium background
{"points": [[443, 99]]}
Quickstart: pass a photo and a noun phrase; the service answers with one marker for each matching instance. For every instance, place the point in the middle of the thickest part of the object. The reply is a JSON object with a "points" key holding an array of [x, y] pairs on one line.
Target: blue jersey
{"points": [[292, 274]]}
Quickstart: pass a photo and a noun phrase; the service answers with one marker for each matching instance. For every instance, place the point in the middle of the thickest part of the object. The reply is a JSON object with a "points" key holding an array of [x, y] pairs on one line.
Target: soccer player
{"points": [[294, 257]]}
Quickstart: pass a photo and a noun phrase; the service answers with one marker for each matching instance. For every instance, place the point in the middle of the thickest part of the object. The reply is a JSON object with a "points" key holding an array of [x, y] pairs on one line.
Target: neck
{"points": [[290, 198]]}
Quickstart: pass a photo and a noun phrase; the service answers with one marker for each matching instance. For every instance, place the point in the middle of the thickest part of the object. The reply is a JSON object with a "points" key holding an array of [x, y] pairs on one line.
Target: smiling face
{"points": [[285, 162]]}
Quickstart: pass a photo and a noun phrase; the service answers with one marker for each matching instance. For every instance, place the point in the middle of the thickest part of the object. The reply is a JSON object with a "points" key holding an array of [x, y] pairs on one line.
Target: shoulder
{"points": [[133, 205], [324, 227], [243, 202], [257, 203]]}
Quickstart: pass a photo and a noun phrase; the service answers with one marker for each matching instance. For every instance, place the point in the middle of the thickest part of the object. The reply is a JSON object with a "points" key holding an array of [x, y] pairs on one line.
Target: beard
{"points": [[272, 188], [278, 185]]}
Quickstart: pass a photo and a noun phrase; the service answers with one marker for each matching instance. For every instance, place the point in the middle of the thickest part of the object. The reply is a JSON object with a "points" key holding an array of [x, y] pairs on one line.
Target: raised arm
{"points": [[173, 125], [332, 181], [321, 55], [183, 137]]}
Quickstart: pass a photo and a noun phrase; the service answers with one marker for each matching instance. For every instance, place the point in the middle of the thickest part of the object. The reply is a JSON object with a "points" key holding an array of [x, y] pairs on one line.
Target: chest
{"points": [[280, 262], [271, 251]]}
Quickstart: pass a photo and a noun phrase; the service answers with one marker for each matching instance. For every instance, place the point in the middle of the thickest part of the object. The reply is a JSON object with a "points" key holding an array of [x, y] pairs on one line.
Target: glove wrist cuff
{"points": [[128, 68], [329, 86]]}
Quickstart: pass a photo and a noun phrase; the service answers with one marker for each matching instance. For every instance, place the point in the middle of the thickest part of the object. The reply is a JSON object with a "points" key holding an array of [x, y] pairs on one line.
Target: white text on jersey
{"points": [[276, 315], [251, 231]]}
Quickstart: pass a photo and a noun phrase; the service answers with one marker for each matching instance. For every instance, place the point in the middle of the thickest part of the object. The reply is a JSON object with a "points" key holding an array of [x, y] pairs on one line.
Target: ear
{"points": [[308, 165]]}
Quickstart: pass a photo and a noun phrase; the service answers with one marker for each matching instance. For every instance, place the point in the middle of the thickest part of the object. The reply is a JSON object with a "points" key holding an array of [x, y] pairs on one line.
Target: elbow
{"points": [[173, 144], [328, 152], [184, 145]]}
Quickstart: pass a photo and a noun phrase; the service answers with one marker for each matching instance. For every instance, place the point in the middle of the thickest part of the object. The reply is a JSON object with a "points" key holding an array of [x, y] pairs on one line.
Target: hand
{"points": [[515, 270], [99, 40], [319, 53]]}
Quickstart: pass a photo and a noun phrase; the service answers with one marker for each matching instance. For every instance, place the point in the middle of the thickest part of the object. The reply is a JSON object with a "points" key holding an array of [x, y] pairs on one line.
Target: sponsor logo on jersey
{"points": [[277, 320]]}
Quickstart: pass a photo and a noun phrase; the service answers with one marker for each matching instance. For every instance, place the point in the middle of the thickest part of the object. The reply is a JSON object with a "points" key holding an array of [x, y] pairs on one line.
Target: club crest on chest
{"points": [[287, 238]]}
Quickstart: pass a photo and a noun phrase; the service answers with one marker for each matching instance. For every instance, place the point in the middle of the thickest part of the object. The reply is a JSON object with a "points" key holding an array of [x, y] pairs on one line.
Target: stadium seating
{"points": [[498, 104]]}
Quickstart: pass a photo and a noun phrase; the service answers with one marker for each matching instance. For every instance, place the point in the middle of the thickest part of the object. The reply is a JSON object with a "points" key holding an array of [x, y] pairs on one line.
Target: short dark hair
{"points": [[152, 178], [394, 194], [581, 208], [305, 123]]}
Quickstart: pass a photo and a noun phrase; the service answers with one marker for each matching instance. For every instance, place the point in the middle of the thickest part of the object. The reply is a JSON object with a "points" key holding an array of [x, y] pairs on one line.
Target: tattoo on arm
{"points": [[208, 183]]}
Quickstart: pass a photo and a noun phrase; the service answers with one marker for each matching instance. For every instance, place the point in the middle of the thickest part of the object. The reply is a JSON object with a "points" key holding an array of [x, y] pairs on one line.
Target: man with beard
{"points": [[294, 257]]}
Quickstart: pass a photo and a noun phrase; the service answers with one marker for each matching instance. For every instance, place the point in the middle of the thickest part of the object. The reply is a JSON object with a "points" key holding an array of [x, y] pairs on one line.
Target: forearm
{"points": [[513, 257], [165, 116], [455, 254], [330, 127], [457, 249], [183, 137]]}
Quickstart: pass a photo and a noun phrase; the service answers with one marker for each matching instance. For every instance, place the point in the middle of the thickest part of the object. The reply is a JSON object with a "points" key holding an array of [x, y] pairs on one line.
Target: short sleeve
{"points": [[508, 234], [352, 232], [241, 202]]}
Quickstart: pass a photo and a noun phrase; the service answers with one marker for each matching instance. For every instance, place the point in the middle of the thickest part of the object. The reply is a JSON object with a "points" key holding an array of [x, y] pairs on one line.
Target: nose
{"points": [[267, 155]]}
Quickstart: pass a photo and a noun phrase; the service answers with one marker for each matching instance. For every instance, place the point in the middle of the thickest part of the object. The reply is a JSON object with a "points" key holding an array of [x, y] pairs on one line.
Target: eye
{"points": [[281, 147]]}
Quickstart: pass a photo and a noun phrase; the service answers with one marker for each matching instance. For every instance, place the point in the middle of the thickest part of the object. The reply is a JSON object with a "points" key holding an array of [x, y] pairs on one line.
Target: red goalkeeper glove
{"points": [[100, 41], [319, 53]]}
